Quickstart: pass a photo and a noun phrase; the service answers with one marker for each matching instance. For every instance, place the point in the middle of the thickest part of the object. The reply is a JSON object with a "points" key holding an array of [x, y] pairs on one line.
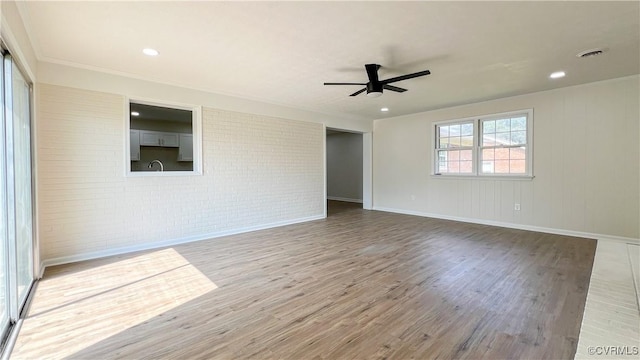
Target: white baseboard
{"points": [[149, 246], [603, 237], [336, 198]]}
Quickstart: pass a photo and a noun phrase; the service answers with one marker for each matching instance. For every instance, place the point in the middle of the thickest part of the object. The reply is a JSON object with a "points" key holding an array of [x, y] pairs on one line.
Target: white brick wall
{"points": [[257, 171]]}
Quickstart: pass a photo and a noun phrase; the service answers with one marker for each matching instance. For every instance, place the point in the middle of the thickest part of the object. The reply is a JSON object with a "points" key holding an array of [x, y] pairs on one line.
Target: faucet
{"points": [[159, 163]]}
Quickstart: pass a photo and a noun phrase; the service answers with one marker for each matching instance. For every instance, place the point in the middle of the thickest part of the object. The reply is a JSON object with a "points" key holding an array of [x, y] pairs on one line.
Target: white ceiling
{"points": [[282, 52]]}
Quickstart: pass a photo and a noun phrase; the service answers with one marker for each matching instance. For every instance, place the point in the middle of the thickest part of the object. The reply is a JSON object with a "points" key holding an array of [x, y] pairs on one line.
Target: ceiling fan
{"points": [[375, 86]]}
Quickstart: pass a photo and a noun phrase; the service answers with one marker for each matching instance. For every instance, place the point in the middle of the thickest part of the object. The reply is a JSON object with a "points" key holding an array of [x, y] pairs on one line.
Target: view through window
{"points": [[160, 138]]}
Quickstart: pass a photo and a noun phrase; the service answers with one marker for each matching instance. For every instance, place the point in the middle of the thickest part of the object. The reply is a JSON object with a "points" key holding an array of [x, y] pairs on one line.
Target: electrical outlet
{"points": [[516, 207]]}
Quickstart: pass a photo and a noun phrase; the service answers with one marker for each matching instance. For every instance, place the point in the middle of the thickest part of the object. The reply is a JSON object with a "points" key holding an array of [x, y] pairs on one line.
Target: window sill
{"points": [[485, 177], [162, 173]]}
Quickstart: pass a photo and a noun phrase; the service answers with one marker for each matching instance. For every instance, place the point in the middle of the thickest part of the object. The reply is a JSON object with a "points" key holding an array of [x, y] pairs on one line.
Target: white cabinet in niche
{"points": [[185, 151], [134, 144], [149, 138], [157, 138], [169, 140]]}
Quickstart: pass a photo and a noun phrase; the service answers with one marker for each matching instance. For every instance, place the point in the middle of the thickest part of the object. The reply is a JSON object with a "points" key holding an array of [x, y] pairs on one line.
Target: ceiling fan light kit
{"points": [[375, 86]]}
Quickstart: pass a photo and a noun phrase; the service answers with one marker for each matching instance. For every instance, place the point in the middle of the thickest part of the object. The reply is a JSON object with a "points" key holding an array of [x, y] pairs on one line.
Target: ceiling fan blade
{"points": [[405, 77], [345, 84], [394, 88], [372, 72], [358, 92]]}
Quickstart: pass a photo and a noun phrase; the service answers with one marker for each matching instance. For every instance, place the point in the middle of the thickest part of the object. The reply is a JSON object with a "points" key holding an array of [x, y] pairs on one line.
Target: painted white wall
{"points": [[344, 166], [13, 32], [586, 164], [258, 171]]}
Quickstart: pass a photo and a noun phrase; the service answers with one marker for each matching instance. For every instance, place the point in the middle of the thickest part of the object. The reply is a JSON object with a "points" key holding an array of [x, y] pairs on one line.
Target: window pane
{"points": [[444, 131], [517, 153], [517, 166], [518, 137], [502, 153], [454, 166], [503, 125], [503, 138], [489, 140], [454, 142], [488, 154], [466, 141], [489, 126], [455, 161], [487, 167], [454, 130], [519, 123], [501, 167], [444, 143], [466, 167], [467, 129], [442, 161]]}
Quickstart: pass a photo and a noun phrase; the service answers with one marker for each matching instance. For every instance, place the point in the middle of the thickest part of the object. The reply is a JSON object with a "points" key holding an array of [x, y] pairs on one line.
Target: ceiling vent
{"points": [[590, 53]]}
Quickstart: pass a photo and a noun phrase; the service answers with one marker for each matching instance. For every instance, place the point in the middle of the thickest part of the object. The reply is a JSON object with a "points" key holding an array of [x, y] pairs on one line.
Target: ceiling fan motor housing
{"points": [[374, 88]]}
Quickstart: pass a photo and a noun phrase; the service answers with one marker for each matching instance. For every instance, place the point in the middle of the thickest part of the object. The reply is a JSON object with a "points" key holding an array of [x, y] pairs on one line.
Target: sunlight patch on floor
{"points": [[129, 291]]}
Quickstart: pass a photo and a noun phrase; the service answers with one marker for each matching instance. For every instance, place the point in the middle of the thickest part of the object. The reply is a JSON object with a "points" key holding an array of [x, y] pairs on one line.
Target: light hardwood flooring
{"points": [[359, 284], [611, 321]]}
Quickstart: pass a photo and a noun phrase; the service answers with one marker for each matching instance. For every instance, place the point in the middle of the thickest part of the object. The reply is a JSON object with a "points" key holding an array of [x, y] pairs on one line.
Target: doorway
{"points": [[345, 169]]}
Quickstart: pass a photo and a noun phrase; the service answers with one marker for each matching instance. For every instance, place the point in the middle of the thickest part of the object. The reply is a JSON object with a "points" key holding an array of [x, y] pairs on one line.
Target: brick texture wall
{"points": [[257, 171]]}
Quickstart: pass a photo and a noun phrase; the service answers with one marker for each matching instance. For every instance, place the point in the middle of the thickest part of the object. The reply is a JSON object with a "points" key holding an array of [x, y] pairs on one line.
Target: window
{"points": [[163, 139], [494, 145], [503, 148], [454, 144]]}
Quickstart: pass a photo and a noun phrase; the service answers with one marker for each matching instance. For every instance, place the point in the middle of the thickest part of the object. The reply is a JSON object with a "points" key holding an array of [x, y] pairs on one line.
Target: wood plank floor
{"points": [[359, 284]]}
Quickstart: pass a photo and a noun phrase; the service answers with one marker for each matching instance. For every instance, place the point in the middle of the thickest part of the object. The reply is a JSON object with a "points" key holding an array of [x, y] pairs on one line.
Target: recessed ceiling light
{"points": [[150, 52], [384, 109], [557, 75], [135, 113]]}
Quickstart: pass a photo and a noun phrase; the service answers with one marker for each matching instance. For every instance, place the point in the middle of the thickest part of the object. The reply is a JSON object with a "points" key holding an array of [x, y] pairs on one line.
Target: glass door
{"points": [[19, 132], [16, 211]]}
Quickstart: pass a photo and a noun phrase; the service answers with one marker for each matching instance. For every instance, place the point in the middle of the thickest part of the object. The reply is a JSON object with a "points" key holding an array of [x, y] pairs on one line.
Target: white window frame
{"points": [[196, 129], [436, 138], [477, 133]]}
